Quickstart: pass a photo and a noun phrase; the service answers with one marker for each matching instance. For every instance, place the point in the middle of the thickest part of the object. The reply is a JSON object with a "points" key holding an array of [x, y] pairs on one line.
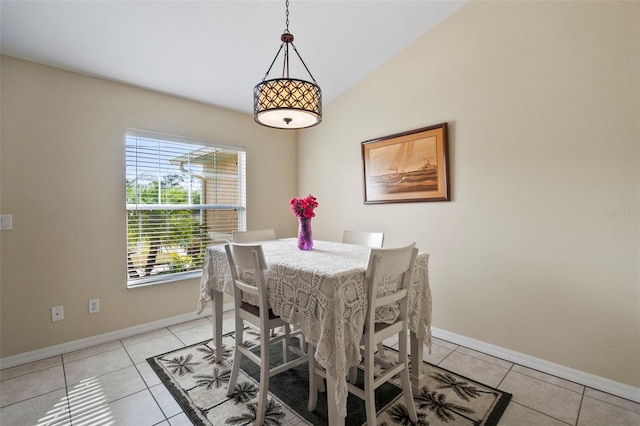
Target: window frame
{"points": [[193, 145]]}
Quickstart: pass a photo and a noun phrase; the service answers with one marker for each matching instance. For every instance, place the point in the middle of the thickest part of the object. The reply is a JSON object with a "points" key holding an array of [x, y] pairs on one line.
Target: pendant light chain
{"points": [[286, 41], [286, 14]]}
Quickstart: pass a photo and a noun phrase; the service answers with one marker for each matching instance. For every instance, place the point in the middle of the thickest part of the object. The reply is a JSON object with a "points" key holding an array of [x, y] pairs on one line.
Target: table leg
{"points": [[332, 408], [417, 370], [216, 317]]}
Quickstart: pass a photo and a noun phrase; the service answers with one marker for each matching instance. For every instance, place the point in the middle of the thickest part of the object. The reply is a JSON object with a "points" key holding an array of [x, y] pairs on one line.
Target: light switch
{"points": [[6, 222]]}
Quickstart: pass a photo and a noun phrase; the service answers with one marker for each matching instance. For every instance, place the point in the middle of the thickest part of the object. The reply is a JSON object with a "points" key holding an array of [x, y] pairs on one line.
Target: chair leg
{"points": [[301, 338], [303, 343], [236, 358], [286, 342], [234, 373], [406, 379], [264, 376], [381, 350], [313, 379], [239, 330], [353, 375], [369, 389]]}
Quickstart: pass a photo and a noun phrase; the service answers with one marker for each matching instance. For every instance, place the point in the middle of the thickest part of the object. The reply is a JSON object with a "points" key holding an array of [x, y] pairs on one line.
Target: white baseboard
{"points": [[587, 379], [63, 348]]}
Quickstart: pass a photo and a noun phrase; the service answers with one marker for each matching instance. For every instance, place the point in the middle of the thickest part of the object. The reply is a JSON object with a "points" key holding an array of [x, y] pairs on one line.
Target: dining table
{"points": [[322, 292]]}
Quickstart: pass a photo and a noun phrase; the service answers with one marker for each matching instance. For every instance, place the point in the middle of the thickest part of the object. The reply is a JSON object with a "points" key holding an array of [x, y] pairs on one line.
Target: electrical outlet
{"points": [[57, 313], [6, 222], [94, 306]]}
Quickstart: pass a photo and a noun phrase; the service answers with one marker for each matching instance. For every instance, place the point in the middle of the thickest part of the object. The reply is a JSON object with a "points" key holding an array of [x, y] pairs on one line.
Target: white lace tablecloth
{"points": [[321, 291]]}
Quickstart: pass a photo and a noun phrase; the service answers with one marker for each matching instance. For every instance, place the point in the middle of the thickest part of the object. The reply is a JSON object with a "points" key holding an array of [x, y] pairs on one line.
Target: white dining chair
{"points": [[248, 261], [243, 237], [362, 238], [384, 265], [369, 239]]}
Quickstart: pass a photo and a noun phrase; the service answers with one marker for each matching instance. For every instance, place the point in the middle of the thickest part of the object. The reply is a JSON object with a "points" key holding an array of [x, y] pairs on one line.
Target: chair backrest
{"points": [[388, 268], [254, 236], [247, 265], [361, 238]]}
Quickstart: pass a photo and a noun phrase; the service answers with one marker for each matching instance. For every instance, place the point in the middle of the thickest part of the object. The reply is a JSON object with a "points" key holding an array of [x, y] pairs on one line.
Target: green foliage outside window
{"points": [[164, 240]]}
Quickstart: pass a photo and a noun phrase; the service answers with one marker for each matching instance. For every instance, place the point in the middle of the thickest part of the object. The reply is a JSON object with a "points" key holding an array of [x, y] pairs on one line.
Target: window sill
{"points": [[163, 279]]}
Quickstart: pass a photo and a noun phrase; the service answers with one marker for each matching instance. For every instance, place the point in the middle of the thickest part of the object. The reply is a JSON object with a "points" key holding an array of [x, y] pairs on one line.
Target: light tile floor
{"points": [[112, 384]]}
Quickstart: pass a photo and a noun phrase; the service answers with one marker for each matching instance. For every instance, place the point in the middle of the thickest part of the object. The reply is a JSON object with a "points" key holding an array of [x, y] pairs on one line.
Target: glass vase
{"points": [[305, 236]]}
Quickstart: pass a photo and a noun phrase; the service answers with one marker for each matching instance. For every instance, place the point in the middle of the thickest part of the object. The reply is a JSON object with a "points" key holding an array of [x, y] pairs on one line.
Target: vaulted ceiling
{"points": [[215, 51]]}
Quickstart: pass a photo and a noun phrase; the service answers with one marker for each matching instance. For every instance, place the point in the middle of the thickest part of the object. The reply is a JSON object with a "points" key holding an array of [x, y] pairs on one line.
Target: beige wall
{"points": [[63, 165], [543, 103], [539, 251]]}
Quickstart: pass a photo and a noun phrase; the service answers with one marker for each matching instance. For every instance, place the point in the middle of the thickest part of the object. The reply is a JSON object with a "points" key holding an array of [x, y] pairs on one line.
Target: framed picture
{"points": [[407, 167]]}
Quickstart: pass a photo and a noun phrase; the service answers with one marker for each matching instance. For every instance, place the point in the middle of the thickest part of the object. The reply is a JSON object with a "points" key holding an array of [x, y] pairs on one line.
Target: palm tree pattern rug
{"points": [[199, 385]]}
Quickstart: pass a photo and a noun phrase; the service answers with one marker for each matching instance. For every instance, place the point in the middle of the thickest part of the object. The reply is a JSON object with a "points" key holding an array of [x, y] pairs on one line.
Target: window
{"points": [[182, 195]]}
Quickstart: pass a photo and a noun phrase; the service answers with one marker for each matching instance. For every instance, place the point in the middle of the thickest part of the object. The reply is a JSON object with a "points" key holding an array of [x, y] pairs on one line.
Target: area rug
{"points": [[199, 385]]}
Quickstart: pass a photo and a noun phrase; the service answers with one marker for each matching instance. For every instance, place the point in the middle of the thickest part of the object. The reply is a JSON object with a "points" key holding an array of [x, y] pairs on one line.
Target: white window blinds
{"points": [[182, 195]]}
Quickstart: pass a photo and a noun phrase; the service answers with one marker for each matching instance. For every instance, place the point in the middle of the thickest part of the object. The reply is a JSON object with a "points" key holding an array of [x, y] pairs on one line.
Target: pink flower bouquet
{"points": [[303, 207]]}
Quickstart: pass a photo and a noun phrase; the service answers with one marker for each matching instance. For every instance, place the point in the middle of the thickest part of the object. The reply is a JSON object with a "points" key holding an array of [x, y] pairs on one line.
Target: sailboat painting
{"points": [[407, 167]]}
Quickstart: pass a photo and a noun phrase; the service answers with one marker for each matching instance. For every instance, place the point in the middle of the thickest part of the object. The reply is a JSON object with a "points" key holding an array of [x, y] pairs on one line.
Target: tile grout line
{"points": [[31, 371], [505, 375], [580, 406], [560, 378], [613, 396], [540, 412], [609, 403], [510, 370], [584, 387], [448, 355], [560, 387], [147, 387], [66, 390], [548, 383], [485, 354], [530, 408], [166, 418]]}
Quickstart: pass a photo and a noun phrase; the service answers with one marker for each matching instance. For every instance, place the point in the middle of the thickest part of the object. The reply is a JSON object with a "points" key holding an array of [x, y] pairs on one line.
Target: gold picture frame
{"points": [[407, 167]]}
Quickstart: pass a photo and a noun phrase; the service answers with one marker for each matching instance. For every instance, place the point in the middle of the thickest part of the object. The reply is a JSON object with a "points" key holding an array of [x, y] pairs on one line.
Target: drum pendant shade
{"points": [[287, 103]]}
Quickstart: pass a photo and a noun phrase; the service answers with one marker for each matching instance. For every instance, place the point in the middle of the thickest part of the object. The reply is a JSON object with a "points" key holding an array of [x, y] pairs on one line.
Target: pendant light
{"points": [[287, 103]]}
